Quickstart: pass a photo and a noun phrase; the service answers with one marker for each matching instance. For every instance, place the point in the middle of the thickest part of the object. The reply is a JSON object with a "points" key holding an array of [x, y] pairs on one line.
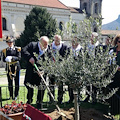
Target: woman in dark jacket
{"points": [[115, 99]]}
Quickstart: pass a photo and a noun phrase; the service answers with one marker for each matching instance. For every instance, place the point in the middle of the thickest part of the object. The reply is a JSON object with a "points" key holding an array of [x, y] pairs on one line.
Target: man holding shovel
{"points": [[32, 79]]}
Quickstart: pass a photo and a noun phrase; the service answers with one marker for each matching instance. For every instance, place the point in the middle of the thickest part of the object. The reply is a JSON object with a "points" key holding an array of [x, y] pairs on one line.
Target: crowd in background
{"points": [[13, 54]]}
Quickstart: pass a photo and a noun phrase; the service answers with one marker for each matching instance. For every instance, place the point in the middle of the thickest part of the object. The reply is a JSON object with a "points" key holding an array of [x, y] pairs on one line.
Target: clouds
{"points": [[71, 3], [110, 10]]}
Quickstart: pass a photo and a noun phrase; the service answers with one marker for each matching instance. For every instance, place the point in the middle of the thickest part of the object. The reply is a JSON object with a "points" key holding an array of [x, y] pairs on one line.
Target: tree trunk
{"points": [[76, 105]]}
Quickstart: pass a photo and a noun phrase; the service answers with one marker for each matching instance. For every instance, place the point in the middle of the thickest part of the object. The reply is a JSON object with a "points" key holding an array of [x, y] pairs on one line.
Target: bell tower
{"points": [[92, 7]]}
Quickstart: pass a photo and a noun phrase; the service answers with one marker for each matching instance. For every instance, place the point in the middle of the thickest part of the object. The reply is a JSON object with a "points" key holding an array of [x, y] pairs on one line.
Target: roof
{"points": [[45, 3], [75, 10], [110, 32]]}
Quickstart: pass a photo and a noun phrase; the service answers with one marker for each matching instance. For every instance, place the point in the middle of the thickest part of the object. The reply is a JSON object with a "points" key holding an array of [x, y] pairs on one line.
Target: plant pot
{"points": [[16, 116]]}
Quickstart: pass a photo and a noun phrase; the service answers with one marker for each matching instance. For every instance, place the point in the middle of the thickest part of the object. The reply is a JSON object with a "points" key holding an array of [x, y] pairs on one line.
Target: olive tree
{"points": [[86, 70]]}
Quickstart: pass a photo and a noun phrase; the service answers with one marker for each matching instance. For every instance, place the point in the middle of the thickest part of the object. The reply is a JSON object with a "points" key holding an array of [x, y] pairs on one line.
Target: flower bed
{"points": [[14, 110]]}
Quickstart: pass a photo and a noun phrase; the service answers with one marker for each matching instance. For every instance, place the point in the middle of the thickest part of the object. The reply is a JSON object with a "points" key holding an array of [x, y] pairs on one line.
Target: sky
{"points": [[110, 8]]}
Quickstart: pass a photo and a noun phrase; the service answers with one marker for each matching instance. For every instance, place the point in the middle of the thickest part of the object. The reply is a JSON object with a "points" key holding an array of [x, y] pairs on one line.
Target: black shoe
{"points": [[10, 98], [15, 98], [39, 105], [70, 101], [29, 101], [86, 99], [60, 103], [51, 101]]}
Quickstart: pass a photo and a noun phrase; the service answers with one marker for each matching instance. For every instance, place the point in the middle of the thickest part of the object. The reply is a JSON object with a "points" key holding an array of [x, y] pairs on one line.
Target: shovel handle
{"points": [[36, 67], [49, 91]]}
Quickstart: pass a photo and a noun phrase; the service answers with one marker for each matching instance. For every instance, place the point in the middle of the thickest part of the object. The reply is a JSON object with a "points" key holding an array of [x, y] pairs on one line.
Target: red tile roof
{"points": [[46, 3], [108, 32], [75, 10]]}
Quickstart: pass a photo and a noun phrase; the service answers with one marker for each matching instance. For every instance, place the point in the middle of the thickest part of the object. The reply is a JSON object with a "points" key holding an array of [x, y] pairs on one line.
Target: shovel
{"points": [[41, 75]]}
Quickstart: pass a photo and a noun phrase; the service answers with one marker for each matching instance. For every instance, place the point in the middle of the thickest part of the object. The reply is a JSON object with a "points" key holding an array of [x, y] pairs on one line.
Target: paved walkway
{"points": [[3, 79]]}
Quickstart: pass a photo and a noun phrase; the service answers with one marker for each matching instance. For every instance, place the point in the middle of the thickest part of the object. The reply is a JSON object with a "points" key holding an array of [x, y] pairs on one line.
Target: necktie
{"points": [[10, 48]]}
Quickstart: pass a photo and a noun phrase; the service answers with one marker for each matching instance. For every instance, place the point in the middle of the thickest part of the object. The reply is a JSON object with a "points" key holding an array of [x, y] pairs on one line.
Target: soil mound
{"points": [[85, 114]]}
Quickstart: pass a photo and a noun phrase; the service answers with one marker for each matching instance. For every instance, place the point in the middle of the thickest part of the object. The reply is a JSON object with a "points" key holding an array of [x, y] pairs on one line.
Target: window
{"points": [[95, 29], [61, 26], [96, 8], [85, 7], [4, 24]]}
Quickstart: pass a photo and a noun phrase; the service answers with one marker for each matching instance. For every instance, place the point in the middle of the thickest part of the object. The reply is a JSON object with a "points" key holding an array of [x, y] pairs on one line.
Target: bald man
{"points": [[59, 47], [31, 77]]}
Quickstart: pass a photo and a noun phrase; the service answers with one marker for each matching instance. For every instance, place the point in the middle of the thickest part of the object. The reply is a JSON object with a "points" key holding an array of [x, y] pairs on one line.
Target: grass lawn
{"points": [[49, 106], [23, 94], [3, 73]]}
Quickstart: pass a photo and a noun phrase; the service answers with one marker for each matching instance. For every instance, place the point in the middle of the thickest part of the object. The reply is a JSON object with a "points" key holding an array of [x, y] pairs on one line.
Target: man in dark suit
{"points": [[12, 56], [58, 47], [107, 46], [32, 78]]}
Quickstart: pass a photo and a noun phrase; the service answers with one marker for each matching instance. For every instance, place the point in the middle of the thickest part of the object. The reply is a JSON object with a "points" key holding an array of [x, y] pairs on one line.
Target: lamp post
{"points": [[0, 22]]}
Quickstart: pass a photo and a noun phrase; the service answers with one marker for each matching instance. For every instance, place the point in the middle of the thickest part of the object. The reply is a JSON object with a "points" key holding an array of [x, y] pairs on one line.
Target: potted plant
{"points": [[14, 110]]}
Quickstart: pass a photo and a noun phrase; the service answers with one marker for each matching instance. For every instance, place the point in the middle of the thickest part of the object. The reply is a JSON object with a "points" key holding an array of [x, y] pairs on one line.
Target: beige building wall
{"points": [[15, 14]]}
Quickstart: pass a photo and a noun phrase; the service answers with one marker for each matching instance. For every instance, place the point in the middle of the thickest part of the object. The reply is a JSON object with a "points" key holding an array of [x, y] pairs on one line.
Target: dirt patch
{"points": [[85, 114]]}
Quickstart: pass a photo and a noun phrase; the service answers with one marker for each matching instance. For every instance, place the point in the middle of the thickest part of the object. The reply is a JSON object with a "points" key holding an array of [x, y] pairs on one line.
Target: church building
{"points": [[14, 13]]}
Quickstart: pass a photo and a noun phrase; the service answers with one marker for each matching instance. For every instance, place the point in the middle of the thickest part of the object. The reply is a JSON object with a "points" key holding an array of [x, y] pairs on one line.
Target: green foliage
{"points": [[82, 71], [23, 93], [38, 23], [116, 28], [87, 69]]}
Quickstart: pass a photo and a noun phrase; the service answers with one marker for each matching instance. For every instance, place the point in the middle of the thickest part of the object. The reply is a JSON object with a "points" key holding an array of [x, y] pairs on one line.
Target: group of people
{"points": [[12, 56]]}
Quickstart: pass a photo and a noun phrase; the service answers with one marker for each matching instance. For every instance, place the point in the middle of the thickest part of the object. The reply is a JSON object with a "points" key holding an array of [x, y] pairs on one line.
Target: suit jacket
{"points": [[15, 52], [63, 50], [28, 51]]}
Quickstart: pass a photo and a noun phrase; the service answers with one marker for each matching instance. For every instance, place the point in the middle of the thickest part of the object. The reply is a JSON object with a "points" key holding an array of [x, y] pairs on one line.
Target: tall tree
{"points": [[38, 23]]}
